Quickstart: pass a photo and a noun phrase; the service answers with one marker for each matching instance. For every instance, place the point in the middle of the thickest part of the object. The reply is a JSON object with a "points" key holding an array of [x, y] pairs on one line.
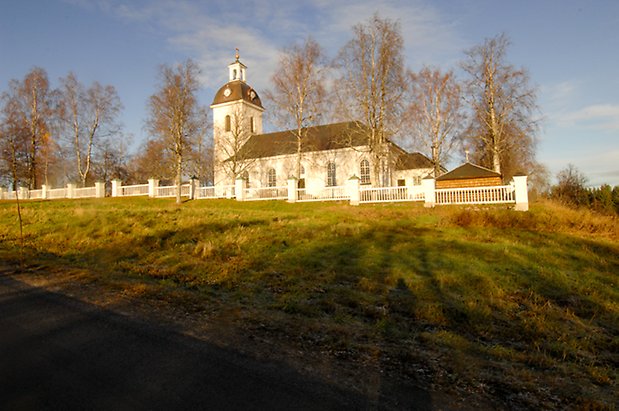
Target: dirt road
{"points": [[60, 353]]}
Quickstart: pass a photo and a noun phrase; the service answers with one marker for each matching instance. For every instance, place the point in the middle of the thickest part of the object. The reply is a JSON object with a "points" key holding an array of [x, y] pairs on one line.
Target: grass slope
{"points": [[521, 307]]}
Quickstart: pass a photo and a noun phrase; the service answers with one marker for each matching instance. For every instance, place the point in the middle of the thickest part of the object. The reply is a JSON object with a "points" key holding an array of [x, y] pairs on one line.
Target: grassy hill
{"points": [[519, 308]]}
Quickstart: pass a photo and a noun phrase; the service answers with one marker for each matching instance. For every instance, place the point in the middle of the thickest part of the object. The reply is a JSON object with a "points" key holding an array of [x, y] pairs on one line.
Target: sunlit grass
{"points": [[518, 302]]}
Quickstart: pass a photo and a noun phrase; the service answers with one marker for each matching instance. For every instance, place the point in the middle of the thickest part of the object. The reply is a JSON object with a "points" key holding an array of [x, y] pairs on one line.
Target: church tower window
{"points": [[228, 126]]}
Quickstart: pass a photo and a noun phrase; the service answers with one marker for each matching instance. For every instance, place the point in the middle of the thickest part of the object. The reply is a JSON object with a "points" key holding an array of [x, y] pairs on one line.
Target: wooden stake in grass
{"points": [[19, 217]]}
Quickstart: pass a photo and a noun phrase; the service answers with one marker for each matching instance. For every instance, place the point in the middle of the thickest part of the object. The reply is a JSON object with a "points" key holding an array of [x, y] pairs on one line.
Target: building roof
{"points": [[317, 138], [239, 90], [410, 161], [466, 171], [325, 137]]}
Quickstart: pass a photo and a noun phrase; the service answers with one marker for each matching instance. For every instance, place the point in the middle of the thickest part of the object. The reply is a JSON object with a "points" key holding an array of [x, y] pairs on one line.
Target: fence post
{"points": [[43, 192], [239, 188], [293, 194], [521, 193], [99, 189], [193, 183], [429, 186], [353, 185], [2, 190], [153, 184], [70, 190], [116, 188]]}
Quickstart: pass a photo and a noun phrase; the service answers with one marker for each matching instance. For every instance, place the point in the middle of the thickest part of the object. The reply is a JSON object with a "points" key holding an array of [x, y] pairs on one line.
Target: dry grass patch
{"points": [[520, 308]]}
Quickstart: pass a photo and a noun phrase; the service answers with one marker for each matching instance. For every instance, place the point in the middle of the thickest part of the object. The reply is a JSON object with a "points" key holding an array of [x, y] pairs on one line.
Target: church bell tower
{"points": [[237, 115]]}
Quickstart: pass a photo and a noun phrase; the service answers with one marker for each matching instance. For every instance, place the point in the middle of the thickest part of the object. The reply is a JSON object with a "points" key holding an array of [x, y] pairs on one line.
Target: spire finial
{"points": [[466, 153], [237, 54]]}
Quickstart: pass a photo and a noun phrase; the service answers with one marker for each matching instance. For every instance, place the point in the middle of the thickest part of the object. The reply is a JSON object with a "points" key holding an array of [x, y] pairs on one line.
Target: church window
{"points": [[252, 124], [234, 74], [272, 178], [364, 167], [228, 126], [331, 180]]}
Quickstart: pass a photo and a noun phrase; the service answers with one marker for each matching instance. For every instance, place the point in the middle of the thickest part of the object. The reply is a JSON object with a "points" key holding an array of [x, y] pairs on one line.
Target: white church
{"points": [[328, 156]]}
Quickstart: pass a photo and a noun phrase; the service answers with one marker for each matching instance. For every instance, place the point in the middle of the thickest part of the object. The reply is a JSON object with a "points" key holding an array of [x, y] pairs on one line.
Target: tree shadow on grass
{"points": [[361, 292]]}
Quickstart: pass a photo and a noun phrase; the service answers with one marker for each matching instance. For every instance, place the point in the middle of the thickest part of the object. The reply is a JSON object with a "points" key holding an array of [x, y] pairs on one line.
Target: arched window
{"points": [[228, 126], [331, 180], [234, 74], [364, 168], [272, 178], [252, 124]]}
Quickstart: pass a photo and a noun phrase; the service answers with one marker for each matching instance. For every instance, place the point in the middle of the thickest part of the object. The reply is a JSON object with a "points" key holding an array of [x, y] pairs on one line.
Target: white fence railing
{"points": [[86, 192], [390, 194], [353, 192], [325, 194], [266, 193], [475, 195], [134, 190], [206, 192], [170, 191], [56, 193], [35, 194]]}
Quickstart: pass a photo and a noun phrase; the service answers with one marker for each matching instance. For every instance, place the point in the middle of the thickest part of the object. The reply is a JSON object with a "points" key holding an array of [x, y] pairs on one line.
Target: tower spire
{"points": [[237, 69]]}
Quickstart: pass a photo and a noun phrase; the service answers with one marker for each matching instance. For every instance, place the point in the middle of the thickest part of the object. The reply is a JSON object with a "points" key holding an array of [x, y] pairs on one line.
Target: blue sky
{"points": [[571, 49]]}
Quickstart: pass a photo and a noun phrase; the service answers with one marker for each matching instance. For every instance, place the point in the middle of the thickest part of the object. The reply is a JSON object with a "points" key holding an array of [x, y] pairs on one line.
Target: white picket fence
{"points": [[391, 194], [337, 193], [266, 193], [515, 193], [86, 192], [133, 190], [476, 195], [57, 193]]}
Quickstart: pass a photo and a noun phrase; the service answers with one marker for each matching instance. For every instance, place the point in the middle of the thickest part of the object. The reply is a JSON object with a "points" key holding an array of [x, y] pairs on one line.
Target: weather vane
{"points": [[237, 54]]}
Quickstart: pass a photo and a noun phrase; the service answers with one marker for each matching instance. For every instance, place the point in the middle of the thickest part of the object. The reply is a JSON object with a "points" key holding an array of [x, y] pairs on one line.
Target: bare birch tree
{"points": [[176, 116], [372, 83], [33, 105], [88, 116], [152, 160], [14, 136], [201, 160], [436, 113], [502, 129], [298, 91]]}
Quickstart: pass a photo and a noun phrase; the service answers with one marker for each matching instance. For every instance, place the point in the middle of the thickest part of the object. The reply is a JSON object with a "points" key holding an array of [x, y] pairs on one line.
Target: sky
{"points": [[570, 49]]}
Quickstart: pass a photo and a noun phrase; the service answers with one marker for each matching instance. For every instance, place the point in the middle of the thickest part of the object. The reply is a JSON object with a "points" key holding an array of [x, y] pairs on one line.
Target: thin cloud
{"points": [[211, 31], [601, 117], [429, 36]]}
